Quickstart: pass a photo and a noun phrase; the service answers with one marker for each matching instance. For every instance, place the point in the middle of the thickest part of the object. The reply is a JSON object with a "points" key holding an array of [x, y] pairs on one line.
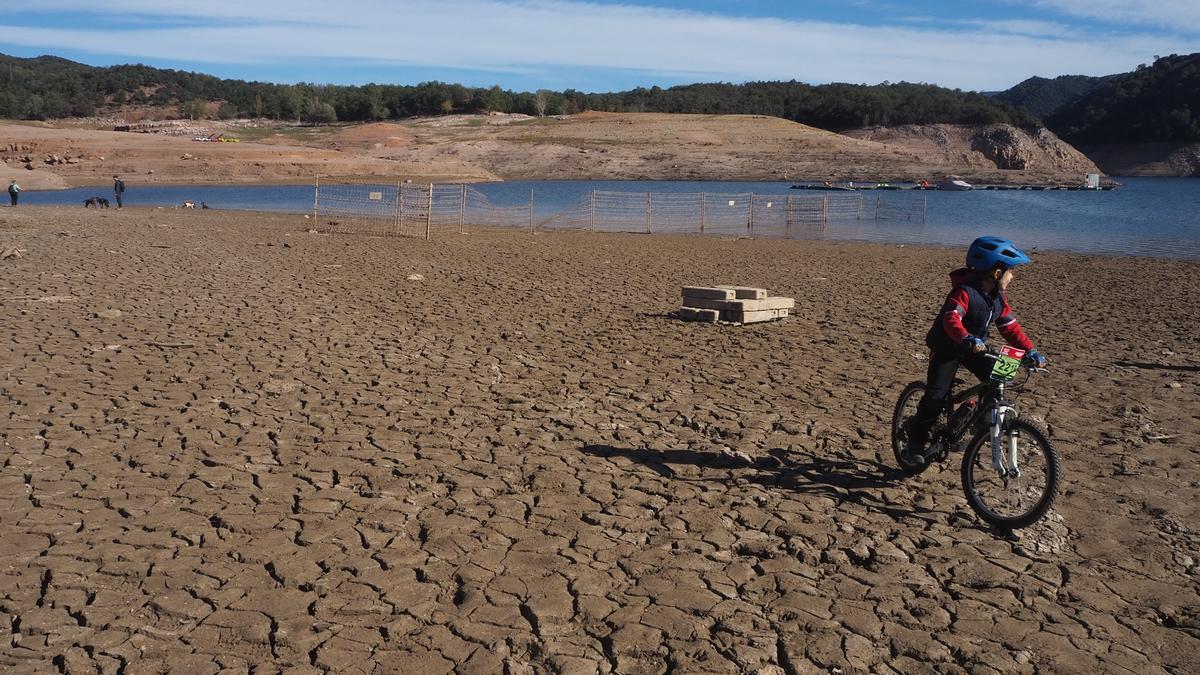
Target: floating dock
{"points": [[855, 187]]}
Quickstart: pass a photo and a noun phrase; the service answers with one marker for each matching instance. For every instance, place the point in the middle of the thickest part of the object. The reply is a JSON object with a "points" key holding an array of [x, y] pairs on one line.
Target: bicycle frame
{"points": [[1005, 463], [980, 391]]}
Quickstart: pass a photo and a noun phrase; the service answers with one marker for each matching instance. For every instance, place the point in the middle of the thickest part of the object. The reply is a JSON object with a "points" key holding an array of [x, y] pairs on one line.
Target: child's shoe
{"points": [[914, 451]]}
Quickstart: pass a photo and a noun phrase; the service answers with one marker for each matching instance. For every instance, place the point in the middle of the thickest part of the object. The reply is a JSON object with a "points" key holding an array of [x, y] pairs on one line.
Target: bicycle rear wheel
{"points": [[1005, 500], [906, 408]]}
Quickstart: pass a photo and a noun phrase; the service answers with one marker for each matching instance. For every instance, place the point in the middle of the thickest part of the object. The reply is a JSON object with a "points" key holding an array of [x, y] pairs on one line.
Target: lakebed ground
{"points": [[230, 443]]}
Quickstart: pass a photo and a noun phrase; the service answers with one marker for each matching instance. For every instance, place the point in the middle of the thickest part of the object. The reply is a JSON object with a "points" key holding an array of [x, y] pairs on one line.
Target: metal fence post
{"points": [[703, 198], [592, 217], [316, 195], [825, 210], [400, 216], [429, 213], [462, 208], [531, 210], [861, 201], [649, 208], [787, 216], [924, 208], [750, 217], [396, 212]]}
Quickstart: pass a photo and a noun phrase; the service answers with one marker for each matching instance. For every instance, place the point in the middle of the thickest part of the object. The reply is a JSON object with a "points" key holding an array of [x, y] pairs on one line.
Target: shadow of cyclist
{"points": [[846, 479]]}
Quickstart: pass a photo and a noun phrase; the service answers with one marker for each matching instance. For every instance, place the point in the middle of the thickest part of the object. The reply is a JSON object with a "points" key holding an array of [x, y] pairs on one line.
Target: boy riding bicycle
{"points": [[958, 335]]}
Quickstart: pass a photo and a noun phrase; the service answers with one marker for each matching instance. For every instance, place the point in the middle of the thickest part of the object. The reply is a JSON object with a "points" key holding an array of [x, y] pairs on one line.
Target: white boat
{"points": [[955, 184]]}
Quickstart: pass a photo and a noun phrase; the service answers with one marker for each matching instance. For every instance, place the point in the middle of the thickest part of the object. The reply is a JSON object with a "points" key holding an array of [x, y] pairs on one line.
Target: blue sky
{"points": [[602, 45]]}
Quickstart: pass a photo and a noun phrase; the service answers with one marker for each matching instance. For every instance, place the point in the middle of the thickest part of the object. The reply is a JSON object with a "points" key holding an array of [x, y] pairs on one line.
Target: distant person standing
{"points": [[118, 189], [13, 191]]}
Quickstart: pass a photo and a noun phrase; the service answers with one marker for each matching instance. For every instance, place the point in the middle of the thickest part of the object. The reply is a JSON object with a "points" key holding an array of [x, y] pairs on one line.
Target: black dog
{"points": [[96, 202]]}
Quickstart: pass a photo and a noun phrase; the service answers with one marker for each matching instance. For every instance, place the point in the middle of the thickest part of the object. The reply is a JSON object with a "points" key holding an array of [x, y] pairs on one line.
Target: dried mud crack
{"points": [[292, 458]]}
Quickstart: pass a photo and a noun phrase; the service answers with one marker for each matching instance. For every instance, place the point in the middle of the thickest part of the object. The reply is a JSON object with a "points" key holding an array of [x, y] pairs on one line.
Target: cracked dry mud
{"points": [[282, 454]]}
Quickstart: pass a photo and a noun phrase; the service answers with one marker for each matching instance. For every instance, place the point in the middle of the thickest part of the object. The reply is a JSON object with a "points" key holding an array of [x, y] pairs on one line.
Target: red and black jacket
{"points": [[970, 311]]}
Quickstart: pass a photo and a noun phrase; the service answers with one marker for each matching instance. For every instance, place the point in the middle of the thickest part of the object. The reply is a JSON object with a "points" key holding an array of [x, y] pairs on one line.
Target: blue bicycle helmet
{"points": [[987, 252]]}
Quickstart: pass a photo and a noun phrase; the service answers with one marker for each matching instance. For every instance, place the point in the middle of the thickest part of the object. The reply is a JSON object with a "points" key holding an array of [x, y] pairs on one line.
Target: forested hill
{"points": [[1044, 97], [51, 87], [1154, 103]]}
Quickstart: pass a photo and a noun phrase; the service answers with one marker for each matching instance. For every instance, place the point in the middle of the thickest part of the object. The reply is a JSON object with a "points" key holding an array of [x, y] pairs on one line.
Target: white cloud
{"points": [[1178, 15], [554, 35], [1031, 28]]}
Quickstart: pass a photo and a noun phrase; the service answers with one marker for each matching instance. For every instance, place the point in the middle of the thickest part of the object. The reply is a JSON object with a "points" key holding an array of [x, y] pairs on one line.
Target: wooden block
{"points": [[741, 305], [754, 317], [708, 293], [747, 292]]}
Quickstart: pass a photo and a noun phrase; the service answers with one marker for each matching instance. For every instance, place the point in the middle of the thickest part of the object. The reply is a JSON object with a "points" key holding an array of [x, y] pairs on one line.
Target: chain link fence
{"points": [[426, 210]]}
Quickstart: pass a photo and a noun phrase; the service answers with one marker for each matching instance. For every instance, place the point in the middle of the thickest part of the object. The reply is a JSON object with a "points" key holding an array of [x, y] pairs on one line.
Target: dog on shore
{"points": [[96, 202], [187, 204]]}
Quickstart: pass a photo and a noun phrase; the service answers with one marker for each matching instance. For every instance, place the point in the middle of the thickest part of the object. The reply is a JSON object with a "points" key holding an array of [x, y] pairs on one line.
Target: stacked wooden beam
{"points": [[732, 304]]}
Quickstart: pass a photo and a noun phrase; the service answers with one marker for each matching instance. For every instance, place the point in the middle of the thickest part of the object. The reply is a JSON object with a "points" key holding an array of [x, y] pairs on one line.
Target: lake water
{"points": [[1146, 216]]}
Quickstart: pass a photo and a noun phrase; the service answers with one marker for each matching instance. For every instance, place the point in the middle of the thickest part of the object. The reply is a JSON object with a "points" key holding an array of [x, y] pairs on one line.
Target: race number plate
{"points": [[1007, 364]]}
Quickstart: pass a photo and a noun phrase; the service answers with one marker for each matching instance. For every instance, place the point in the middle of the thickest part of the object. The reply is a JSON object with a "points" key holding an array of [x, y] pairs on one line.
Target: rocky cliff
{"points": [[1033, 155]]}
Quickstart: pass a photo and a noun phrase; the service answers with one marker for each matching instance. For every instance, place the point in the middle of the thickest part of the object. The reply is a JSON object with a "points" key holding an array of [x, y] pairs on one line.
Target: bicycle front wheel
{"points": [[1008, 496]]}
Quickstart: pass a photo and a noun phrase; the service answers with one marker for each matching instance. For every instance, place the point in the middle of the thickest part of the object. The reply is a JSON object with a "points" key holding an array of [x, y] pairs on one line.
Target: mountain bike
{"points": [[1010, 469]]}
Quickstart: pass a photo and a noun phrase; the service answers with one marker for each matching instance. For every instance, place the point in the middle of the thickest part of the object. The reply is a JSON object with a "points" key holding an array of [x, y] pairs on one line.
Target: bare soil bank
{"points": [[280, 451], [586, 146], [1148, 159]]}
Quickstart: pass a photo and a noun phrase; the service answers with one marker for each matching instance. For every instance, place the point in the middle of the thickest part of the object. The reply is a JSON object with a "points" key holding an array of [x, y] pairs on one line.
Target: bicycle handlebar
{"points": [[993, 354]]}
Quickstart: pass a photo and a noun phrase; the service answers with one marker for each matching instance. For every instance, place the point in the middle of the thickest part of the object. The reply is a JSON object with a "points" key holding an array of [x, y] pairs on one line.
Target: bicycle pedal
{"points": [[934, 453]]}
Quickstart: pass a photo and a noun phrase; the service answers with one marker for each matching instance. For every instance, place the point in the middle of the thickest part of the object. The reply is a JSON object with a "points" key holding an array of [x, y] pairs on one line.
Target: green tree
{"points": [[193, 109], [319, 112]]}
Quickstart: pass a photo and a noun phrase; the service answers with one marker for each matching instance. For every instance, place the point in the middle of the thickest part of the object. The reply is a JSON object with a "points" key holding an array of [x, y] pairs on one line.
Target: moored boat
{"points": [[955, 184]]}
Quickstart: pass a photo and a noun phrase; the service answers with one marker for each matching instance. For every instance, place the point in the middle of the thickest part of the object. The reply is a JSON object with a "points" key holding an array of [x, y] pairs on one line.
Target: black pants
{"points": [[13, 197], [938, 383], [118, 196]]}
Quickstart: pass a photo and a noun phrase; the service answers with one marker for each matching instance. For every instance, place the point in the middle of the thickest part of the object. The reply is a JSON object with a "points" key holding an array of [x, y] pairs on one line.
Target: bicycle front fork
{"points": [[1004, 459]]}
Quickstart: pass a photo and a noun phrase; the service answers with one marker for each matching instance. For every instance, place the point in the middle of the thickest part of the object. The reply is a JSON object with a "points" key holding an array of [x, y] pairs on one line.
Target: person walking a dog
{"points": [[13, 191], [118, 189]]}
